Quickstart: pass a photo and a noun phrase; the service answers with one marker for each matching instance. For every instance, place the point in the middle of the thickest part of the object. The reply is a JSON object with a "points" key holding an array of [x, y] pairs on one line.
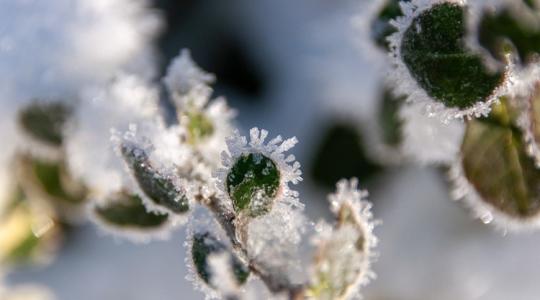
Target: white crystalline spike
{"points": [[183, 75], [289, 169], [254, 136], [264, 134], [287, 144]]}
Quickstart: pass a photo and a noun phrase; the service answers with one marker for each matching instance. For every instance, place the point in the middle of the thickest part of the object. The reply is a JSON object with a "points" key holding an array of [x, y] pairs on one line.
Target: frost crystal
{"points": [[184, 76]]}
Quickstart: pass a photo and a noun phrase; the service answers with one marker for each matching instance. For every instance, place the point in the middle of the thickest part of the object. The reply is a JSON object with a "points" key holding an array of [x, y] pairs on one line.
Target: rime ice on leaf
{"points": [[435, 67], [496, 176], [256, 175], [434, 52], [204, 245], [344, 254], [161, 189]]}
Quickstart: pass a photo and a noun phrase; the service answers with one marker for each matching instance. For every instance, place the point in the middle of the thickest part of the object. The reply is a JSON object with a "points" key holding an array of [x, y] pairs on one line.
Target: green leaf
{"points": [[496, 163], [159, 188], [505, 27], [199, 127], [253, 183], [128, 211], [434, 51], [45, 121], [205, 244]]}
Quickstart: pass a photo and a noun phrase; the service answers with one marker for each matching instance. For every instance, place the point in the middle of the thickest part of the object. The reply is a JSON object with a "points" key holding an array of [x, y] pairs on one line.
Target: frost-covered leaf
{"points": [[204, 245], [504, 29], [253, 183], [343, 259], [434, 51], [160, 188], [128, 211], [45, 121], [496, 164]]}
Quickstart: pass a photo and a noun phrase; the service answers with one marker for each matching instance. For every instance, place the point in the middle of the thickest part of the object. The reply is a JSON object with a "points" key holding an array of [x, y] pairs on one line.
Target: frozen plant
{"points": [[114, 159], [464, 78], [245, 220]]}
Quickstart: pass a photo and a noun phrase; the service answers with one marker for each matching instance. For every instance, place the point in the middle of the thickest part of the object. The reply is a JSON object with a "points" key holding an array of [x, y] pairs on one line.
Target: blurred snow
{"points": [[430, 247]]}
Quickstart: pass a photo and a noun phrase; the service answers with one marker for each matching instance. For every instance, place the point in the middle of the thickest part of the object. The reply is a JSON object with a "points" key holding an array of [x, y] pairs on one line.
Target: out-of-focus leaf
{"points": [[502, 27], [45, 121], [496, 163], [390, 121]]}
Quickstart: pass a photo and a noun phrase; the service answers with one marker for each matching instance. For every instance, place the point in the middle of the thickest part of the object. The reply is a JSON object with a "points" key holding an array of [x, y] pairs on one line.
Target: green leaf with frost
{"points": [[45, 121], [253, 183], [434, 51], [205, 244], [496, 163], [128, 211], [159, 188]]}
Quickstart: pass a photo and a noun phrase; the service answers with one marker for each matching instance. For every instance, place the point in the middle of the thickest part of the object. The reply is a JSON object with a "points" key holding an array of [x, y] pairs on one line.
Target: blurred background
{"points": [[297, 68]]}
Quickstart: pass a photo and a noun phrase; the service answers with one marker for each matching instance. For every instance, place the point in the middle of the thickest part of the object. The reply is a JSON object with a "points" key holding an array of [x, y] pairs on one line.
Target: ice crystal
{"points": [[184, 75]]}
